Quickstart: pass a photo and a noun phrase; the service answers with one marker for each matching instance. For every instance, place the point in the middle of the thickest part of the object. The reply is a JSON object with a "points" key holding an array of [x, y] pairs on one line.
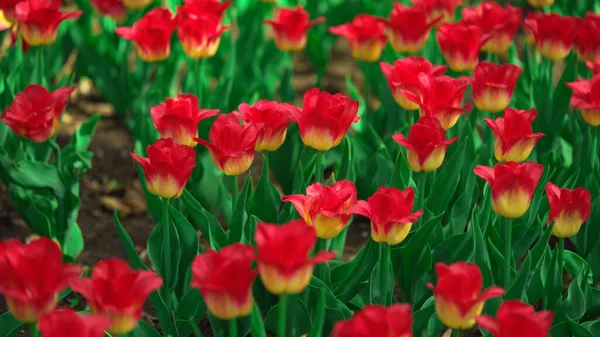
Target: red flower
{"points": [[569, 209], [7, 7], [199, 30], [458, 296], [35, 112], [494, 84], [32, 277], [39, 20], [178, 118], [151, 35], [586, 97], [325, 207], [408, 28], [231, 145], [554, 34], [404, 75], [376, 320], [114, 9], [439, 8], [594, 66], [168, 167], [513, 135], [516, 318], [325, 119], [290, 27], [272, 120], [225, 280], [540, 3], [66, 322], [286, 268], [208, 6], [426, 144], [391, 214], [587, 37], [460, 44], [118, 292], [512, 186], [500, 22], [530, 26], [366, 35]]}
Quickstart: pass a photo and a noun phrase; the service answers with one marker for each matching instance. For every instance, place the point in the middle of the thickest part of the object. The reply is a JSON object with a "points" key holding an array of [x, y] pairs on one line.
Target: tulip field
{"points": [[343, 168]]}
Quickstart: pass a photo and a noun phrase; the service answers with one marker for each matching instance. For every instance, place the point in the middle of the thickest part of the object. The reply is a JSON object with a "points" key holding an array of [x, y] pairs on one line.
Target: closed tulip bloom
{"points": [[586, 98], [114, 9], [366, 35], [290, 28], [512, 185], [168, 167], [199, 31], [460, 44], [514, 135], [325, 207], [215, 7], [271, 119], [325, 119], [231, 145], [554, 34], [458, 295], [500, 22], [516, 318], [66, 323], [426, 144], [587, 37], [151, 35], [225, 280], [377, 321], [283, 256], [35, 112], [530, 26], [404, 75], [118, 292], [569, 209], [540, 3], [594, 65], [32, 277], [408, 28], [39, 20], [178, 118], [443, 9], [391, 213], [493, 85], [7, 7]]}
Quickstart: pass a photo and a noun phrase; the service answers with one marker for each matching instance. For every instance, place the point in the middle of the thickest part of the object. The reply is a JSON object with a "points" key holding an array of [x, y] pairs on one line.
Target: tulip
{"points": [[594, 65], [500, 22], [587, 37], [325, 207], [443, 9], [137, 4], [231, 145], [540, 3], [283, 256], [7, 7], [493, 85], [39, 20], [376, 320], [208, 6], [530, 26], [32, 277], [513, 135], [118, 292], [391, 213], [225, 280], [516, 318], [290, 28], [408, 28], [168, 167], [199, 30], [66, 322], [569, 209], [151, 35], [35, 112], [178, 118], [512, 186], [586, 98], [114, 9], [5, 24], [554, 34], [366, 35], [458, 295], [460, 44]]}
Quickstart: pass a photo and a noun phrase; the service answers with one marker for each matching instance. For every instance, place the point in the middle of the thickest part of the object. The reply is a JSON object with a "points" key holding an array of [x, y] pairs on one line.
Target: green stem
{"points": [[319, 166], [455, 333], [234, 193], [33, 330], [320, 270], [57, 154], [201, 70], [421, 196], [196, 329], [561, 254], [507, 252], [233, 328], [367, 74], [282, 318], [165, 225], [594, 147], [384, 259]]}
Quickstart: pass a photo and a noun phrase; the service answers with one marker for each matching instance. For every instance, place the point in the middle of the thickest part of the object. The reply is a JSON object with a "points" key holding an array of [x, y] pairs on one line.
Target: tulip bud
{"points": [[408, 28], [586, 98], [39, 20], [493, 85], [569, 209], [366, 36], [151, 35], [500, 22], [460, 44], [291, 26], [516, 318], [514, 135]]}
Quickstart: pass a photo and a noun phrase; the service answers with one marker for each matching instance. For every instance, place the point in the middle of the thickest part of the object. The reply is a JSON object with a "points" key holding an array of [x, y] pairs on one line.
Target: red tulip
{"points": [[325, 119], [513, 135], [587, 37], [199, 31], [114, 9], [118, 292], [66, 322], [35, 112], [439, 8], [586, 98], [594, 66], [325, 207], [460, 44], [516, 318], [7, 7], [426, 144], [272, 120], [404, 75], [530, 26], [151, 35], [290, 27], [554, 34], [512, 186], [225, 280], [286, 268], [231, 145], [569, 209], [168, 167], [500, 22], [391, 213], [366, 35], [458, 295], [178, 118], [32, 277], [540, 3], [137, 4], [39, 20], [377, 321], [494, 84], [408, 28], [209, 6]]}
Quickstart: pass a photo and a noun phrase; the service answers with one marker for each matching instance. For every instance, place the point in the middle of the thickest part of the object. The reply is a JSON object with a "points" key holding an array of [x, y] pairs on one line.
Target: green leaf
{"points": [[575, 301], [239, 216], [446, 182], [574, 264], [73, 245], [593, 327], [144, 329], [204, 221], [190, 310], [266, 200], [10, 326], [554, 285], [381, 282], [422, 317], [335, 310], [36, 175], [132, 255], [156, 254], [577, 330], [346, 170], [347, 277], [189, 247], [299, 314], [257, 325], [317, 329], [461, 208]]}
